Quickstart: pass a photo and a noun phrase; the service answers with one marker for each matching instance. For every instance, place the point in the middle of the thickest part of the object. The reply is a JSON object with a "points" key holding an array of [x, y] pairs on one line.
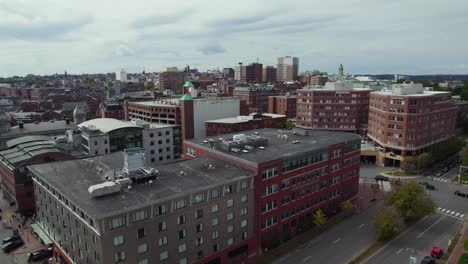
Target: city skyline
{"points": [[367, 37]]}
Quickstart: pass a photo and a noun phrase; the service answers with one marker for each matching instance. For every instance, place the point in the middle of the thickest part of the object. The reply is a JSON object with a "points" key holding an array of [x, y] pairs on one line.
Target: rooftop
{"points": [[22, 152], [242, 119], [13, 142], [73, 177], [39, 128], [271, 146], [105, 125]]}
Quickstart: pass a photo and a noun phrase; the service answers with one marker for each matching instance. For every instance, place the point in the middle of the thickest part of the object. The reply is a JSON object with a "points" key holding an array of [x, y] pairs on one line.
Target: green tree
{"points": [[387, 222], [347, 206], [411, 201], [464, 156], [149, 86], [319, 218], [289, 124]]}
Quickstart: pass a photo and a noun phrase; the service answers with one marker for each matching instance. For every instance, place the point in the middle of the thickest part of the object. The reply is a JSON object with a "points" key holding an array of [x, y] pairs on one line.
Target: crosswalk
{"points": [[450, 213], [438, 179]]}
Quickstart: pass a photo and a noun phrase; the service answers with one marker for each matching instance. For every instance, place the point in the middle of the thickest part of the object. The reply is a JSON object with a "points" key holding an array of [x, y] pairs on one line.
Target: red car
{"points": [[437, 252]]}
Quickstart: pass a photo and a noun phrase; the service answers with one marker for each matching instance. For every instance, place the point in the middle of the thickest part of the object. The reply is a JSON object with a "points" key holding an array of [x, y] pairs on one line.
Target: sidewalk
{"points": [[458, 251]]}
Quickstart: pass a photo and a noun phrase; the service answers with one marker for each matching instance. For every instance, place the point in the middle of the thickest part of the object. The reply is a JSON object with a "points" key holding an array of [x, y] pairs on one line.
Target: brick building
{"points": [[407, 120], [269, 74], [243, 123], [16, 185], [297, 173], [256, 97], [282, 105], [193, 211], [253, 73], [114, 110], [171, 79], [337, 107]]}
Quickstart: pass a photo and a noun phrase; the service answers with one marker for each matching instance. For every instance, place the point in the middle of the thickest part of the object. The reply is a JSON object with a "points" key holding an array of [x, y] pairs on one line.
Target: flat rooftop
{"points": [[73, 177], [243, 119], [39, 128], [277, 147]]}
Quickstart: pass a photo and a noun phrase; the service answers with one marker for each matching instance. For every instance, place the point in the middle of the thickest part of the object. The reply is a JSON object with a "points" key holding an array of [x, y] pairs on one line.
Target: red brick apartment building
{"points": [[243, 123], [297, 172], [256, 97], [337, 106], [407, 120], [282, 105]]}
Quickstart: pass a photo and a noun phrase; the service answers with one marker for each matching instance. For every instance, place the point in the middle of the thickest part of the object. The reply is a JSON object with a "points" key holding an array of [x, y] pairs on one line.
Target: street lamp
{"points": [[419, 159]]}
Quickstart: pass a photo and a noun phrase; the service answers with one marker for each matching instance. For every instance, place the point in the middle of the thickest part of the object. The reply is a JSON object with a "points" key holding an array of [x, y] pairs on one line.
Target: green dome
{"points": [[186, 97], [188, 84]]}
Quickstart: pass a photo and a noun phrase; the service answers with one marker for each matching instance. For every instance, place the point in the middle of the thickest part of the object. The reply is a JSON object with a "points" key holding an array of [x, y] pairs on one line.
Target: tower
{"points": [[186, 119], [340, 71]]}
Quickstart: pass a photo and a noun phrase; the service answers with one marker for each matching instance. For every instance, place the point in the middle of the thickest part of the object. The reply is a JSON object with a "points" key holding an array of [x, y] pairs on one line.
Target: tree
{"points": [[387, 222], [289, 124], [411, 201], [464, 156], [347, 206], [319, 218]]}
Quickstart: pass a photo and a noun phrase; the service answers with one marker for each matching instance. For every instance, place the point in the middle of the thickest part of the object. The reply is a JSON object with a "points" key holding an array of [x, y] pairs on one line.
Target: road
{"points": [[435, 230]]}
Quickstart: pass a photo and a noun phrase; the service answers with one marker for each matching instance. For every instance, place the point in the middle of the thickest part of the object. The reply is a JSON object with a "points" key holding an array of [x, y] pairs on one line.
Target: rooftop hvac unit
{"points": [[239, 138], [103, 189], [134, 160]]}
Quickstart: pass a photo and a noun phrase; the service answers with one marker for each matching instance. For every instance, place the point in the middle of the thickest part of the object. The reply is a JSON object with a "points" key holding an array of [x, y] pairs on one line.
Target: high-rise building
{"points": [[172, 79], [112, 208], [287, 69], [296, 173], [240, 74], [407, 120], [121, 76], [269, 74], [337, 107], [340, 71], [254, 73], [228, 73]]}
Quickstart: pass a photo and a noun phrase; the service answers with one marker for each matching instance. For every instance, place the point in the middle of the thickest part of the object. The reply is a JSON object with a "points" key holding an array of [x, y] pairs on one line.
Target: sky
{"points": [[366, 36]]}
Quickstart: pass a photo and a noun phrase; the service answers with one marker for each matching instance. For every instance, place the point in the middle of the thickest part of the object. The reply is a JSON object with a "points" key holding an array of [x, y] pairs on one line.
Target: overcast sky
{"points": [[366, 36]]}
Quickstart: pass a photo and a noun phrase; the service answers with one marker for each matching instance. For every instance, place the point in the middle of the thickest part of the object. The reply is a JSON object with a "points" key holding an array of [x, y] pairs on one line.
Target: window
{"points": [[269, 222], [244, 185], [199, 227], [199, 241], [152, 143], [215, 247], [244, 235], [230, 241], [214, 193], [181, 220], [162, 209], [180, 204], [142, 248], [215, 235], [182, 233], [244, 211], [118, 240], [162, 241], [244, 198], [228, 189], [117, 222], [143, 261], [140, 215], [230, 203], [183, 261], [243, 223], [141, 233], [199, 213], [151, 135], [269, 173], [120, 256], [162, 226], [214, 221], [214, 208], [230, 216], [230, 228], [199, 198], [163, 256], [267, 190], [182, 248], [200, 254]]}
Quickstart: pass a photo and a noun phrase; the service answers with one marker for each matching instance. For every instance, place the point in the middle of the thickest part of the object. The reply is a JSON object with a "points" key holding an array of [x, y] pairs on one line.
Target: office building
{"points": [[406, 120], [297, 172], [240, 73], [99, 211], [254, 72], [287, 69], [336, 106], [256, 97], [269, 74]]}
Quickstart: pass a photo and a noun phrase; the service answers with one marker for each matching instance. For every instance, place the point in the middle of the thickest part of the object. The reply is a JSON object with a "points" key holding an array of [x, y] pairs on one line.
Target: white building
{"points": [[161, 142], [287, 69], [121, 76]]}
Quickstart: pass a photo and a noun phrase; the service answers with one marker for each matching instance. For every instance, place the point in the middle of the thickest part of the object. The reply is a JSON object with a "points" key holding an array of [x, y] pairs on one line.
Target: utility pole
{"points": [[460, 172]]}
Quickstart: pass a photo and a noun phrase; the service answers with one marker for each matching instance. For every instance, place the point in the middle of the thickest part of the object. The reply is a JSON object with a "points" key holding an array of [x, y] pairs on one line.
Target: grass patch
{"points": [[465, 244], [463, 259], [454, 243]]}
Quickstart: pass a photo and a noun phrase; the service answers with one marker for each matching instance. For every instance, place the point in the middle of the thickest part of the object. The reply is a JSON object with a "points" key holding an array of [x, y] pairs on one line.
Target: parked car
{"points": [[427, 260], [10, 246], [12, 238], [437, 252], [381, 178], [444, 169], [462, 194], [438, 174], [427, 185], [40, 254]]}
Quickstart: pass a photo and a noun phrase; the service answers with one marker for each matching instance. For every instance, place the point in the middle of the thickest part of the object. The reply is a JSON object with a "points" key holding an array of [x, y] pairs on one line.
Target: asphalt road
{"points": [[337, 245]]}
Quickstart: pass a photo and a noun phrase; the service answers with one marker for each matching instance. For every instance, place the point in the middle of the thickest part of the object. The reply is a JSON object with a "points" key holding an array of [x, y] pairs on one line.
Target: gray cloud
{"points": [[212, 49], [162, 19]]}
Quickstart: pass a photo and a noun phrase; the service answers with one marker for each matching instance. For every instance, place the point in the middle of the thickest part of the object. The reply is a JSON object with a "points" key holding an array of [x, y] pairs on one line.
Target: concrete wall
{"points": [[204, 110]]}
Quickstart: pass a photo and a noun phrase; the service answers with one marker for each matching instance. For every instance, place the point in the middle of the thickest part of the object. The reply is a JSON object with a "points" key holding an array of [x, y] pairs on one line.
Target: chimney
{"points": [[21, 124], [67, 121]]}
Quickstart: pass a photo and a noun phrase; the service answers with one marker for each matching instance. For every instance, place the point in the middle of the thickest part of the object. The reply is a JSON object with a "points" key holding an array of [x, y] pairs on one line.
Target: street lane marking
{"points": [[305, 259], [435, 223], [443, 210], [336, 241], [439, 208], [452, 213], [398, 252], [447, 214], [462, 215], [457, 214]]}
